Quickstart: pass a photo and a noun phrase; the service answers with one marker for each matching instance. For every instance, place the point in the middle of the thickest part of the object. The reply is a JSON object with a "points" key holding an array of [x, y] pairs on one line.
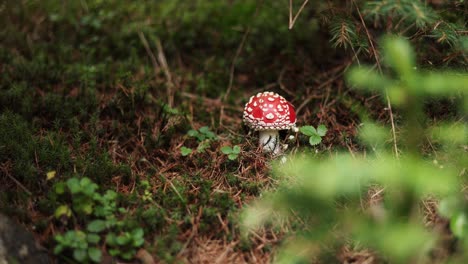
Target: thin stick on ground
{"points": [[291, 19], [389, 105], [149, 51], [231, 74], [170, 84], [327, 82], [161, 64], [233, 65], [5, 169]]}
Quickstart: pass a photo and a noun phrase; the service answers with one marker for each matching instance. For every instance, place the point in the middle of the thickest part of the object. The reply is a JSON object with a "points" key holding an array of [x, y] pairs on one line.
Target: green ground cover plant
{"points": [[231, 152], [103, 218], [203, 136], [315, 134]]}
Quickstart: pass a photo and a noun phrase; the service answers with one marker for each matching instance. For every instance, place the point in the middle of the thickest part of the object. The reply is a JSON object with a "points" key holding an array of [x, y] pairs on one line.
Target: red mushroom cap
{"points": [[269, 110]]}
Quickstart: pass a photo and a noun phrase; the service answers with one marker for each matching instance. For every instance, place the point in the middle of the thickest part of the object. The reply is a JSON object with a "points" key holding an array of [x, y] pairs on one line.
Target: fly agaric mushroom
{"points": [[268, 113]]}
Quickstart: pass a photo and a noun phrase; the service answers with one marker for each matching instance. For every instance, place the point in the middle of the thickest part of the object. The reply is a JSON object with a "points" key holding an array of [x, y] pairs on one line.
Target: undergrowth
{"points": [[327, 195], [143, 101]]}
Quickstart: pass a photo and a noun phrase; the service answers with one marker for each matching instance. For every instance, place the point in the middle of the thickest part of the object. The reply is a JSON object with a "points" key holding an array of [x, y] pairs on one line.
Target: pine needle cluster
{"points": [[431, 25]]}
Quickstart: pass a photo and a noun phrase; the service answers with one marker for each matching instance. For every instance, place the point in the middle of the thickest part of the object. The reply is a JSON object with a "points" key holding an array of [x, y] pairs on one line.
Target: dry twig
{"points": [[170, 84], [159, 63], [233, 64], [389, 106], [291, 19], [5, 168]]}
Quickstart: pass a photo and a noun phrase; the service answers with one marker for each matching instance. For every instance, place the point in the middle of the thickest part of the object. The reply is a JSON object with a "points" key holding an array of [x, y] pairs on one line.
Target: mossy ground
{"points": [[109, 89]]}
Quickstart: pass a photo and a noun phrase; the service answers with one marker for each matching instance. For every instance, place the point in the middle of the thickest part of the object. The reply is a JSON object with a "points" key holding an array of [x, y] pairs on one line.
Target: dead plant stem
{"points": [[389, 105], [291, 19], [170, 84], [150, 53], [5, 170], [233, 66]]}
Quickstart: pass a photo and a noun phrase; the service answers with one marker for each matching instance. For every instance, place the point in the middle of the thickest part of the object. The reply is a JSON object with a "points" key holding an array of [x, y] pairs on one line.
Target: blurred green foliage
{"points": [[330, 195]]}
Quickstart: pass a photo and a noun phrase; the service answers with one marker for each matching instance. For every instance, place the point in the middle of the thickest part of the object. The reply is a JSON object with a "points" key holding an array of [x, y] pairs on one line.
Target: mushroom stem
{"points": [[269, 141]]}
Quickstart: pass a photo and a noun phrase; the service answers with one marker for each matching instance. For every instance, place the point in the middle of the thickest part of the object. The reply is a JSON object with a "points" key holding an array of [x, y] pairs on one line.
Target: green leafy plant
{"points": [[83, 192], [147, 195], [231, 152], [185, 151], [84, 246], [327, 195], [124, 244], [315, 135], [204, 136], [101, 216]]}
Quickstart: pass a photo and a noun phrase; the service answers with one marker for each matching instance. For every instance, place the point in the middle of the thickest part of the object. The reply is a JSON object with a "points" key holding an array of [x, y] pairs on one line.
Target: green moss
{"points": [[251, 187], [102, 169], [153, 218], [52, 153], [18, 98], [17, 145], [232, 179]]}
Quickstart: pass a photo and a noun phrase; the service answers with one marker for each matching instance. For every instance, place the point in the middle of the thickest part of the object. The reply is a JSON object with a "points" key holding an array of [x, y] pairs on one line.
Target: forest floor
{"points": [[116, 95]]}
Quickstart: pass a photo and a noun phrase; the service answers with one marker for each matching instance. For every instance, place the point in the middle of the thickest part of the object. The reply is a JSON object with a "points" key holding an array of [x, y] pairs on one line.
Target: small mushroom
{"points": [[269, 112]]}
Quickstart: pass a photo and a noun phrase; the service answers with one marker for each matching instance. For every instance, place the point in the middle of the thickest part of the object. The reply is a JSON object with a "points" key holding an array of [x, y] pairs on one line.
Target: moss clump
{"points": [[31, 156], [17, 145]]}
